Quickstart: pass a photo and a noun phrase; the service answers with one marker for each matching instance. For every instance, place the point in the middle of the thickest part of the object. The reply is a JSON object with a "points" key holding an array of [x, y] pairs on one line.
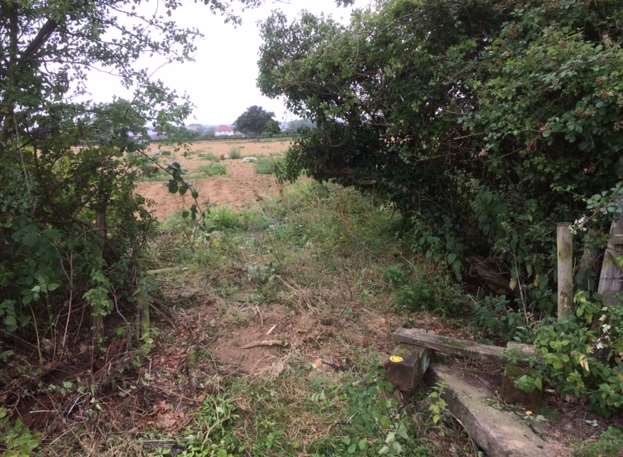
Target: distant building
{"points": [[224, 130]]}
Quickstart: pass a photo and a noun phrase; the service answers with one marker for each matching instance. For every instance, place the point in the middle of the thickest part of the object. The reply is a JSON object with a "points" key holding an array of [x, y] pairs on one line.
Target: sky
{"points": [[221, 81]]}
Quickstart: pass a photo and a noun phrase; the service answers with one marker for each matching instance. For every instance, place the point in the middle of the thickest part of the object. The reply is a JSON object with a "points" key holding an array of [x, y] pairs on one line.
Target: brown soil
{"points": [[241, 187]]}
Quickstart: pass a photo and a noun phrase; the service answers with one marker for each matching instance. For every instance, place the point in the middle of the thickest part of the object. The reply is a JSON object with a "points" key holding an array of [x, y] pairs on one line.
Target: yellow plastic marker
{"points": [[396, 359]]}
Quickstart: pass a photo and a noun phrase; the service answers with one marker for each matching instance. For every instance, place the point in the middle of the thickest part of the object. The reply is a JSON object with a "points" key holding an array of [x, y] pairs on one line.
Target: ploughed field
{"points": [[223, 172]]}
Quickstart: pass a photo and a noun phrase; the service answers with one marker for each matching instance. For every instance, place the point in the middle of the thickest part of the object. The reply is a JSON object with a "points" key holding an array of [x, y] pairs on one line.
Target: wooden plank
{"points": [[499, 433], [564, 243], [611, 278], [406, 367], [449, 346]]}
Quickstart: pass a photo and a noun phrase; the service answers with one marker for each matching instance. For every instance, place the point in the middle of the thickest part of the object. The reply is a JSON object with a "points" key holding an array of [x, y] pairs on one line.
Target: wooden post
{"points": [[611, 277], [565, 270]]}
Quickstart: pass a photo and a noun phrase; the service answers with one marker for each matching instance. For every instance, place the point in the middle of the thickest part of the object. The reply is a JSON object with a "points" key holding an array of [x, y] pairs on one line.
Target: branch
{"points": [[35, 45]]}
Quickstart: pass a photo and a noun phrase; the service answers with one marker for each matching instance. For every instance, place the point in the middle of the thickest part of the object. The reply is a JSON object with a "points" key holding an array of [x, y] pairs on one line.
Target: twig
{"points": [[271, 330], [266, 343], [259, 313]]}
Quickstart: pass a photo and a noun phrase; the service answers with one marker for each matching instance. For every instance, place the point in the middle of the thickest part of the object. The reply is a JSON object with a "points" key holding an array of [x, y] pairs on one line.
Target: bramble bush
{"points": [[582, 356], [484, 122]]}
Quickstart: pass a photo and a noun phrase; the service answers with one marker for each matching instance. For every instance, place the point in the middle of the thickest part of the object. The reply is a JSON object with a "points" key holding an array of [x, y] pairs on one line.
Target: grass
{"points": [[235, 153], [319, 253], [265, 166], [609, 444], [209, 156], [212, 169]]}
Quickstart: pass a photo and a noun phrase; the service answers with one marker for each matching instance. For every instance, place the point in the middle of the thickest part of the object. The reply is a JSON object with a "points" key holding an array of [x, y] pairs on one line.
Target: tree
{"points": [[256, 121], [299, 126], [484, 122], [71, 225]]}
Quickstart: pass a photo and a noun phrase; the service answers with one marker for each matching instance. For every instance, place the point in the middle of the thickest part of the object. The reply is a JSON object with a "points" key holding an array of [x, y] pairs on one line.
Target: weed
{"points": [[212, 434], [16, 440], [209, 156], [235, 153], [609, 444], [213, 169], [438, 406], [223, 218], [265, 166], [495, 318], [395, 275]]}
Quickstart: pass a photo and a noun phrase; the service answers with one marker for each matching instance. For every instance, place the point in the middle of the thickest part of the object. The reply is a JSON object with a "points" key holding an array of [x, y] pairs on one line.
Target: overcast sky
{"points": [[221, 81]]}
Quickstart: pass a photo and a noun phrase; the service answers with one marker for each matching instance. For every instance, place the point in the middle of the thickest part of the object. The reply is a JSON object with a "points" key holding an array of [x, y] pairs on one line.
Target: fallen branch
{"points": [[266, 343]]}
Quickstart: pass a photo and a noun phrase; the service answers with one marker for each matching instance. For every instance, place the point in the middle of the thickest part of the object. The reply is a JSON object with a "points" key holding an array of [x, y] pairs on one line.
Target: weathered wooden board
{"points": [[611, 278], [462, 348], [499, 433], [448, 346], [406, 367]]}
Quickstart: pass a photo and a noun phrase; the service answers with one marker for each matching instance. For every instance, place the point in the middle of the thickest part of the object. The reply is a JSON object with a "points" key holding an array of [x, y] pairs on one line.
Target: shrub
{"points": [[496, 319], [264, 166], [583, 356], [395, 275], [223, 218], [235, 153], [213, 169], [437, 296], [492, 122]]}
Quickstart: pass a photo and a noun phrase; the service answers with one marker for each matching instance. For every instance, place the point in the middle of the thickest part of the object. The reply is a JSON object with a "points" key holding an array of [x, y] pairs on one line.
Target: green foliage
{"points": [[16, 440], [495, 318], [256, 121], [431, 294], [72, 227], [213, 169], [395, 275], [583, 356], [266, 166], [484, 122], [609, 444], [378, 426], [438, 406], [209, 156], [223, 218], [212, 435]]}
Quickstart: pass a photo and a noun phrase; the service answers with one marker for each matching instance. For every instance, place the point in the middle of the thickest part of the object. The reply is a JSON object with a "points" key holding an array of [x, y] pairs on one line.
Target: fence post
{"points": [[564, 242], [611, 277]]}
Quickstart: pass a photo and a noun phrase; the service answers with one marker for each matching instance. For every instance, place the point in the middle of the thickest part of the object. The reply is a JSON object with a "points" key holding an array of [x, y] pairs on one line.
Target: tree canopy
{"points": [[256, 121], [71, 226], [486, 121]]}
